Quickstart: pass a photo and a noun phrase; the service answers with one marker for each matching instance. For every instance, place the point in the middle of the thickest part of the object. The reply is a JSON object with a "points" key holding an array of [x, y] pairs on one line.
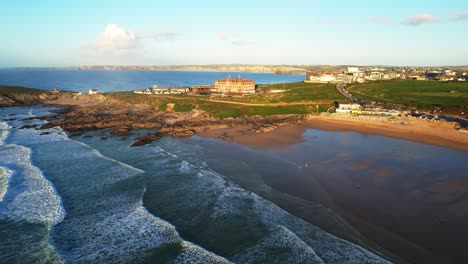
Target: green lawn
{"points": [[301, 91], [294, 92], [415, 93], [19, 90]]}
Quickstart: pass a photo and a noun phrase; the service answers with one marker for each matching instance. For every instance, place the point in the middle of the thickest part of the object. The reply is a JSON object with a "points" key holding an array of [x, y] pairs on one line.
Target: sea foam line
{"points": [[32, 198], [99, 154], [325, 246], [5, 174], [4, 131]]}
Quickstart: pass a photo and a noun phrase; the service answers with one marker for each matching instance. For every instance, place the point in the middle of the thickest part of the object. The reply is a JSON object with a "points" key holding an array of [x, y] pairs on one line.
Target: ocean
{"points": [[334, 197], [81, 200], [125, 80], [95, 199]]}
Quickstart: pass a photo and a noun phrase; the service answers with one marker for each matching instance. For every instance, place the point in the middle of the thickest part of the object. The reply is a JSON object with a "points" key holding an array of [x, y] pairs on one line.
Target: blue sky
{"points": [[69, 33]]}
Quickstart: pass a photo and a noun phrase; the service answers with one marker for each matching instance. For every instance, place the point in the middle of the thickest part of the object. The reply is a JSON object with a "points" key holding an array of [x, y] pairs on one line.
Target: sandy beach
{"points": [[437, 133], [373, 193]]}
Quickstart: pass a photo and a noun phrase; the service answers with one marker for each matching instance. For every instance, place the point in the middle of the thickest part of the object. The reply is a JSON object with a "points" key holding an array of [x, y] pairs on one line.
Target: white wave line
{"points": [[5, 175], [4, 132], [29, 165], [99, 154]]}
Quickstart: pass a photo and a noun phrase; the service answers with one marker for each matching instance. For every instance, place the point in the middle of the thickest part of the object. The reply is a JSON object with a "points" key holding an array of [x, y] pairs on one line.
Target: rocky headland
{"points": [[84, 112]]}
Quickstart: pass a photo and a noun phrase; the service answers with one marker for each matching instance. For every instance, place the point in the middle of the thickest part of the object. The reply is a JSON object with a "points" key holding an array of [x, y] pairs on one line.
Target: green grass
{"points": [[185, 103], [301, 91], [183, 107], [277, 110], [294, 92], [415, 93], [5, 90], [226, 111], [162, 107]]}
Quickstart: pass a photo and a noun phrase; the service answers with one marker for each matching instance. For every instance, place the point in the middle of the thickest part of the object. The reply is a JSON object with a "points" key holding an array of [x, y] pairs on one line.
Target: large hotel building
{"points": [[234, 85]]}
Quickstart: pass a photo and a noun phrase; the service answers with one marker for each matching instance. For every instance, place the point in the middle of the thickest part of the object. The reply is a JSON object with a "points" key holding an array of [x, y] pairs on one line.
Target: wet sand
{"points": [[419, 221], [428, 132]]}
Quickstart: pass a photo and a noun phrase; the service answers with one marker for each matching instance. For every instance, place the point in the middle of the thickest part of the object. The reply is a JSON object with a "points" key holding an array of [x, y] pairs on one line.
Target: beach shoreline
{"points": [[436, 133]]}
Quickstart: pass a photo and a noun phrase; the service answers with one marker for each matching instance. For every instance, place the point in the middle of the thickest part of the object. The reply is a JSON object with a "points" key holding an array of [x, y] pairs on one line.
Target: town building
{"points": [[171, 90], [202, 89], [353, 70], [234, 85], [164, 90], [93, 91]]}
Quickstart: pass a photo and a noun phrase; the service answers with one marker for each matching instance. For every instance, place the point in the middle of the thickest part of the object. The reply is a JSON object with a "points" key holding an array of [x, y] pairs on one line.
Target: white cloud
{"points": [[115, 40], [420, 19], [460, 16]]}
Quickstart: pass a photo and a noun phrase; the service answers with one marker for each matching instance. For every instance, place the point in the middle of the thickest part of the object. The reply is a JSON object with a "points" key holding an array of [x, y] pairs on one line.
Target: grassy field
{"points": [[421, 94], [184, 103], [18, 90], [298, 98], [294, 92], [301, 91]]}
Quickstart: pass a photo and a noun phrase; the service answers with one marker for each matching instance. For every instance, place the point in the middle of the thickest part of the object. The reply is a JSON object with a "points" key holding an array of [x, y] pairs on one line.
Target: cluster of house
{"points": [[368, 108], [361, 75], [164, 90], [225, 86]]}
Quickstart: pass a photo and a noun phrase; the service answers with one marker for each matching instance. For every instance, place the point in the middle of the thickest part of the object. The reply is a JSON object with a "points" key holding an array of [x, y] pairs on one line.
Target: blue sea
{"points": [[332, 197], [123, 80]]}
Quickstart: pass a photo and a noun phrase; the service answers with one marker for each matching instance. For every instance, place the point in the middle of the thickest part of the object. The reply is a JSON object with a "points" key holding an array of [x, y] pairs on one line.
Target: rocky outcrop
{"points": [[19, 100], [94, 112]]}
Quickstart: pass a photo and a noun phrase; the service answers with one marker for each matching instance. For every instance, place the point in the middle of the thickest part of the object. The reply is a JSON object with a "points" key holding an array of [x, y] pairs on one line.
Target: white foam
{"points": [[330, 248], [4, 131], [5, 174], [289, 247], [116, 227], [30, 196], [231, 200], [185, 167], [120, 236], [95, 152], [192, 253]]}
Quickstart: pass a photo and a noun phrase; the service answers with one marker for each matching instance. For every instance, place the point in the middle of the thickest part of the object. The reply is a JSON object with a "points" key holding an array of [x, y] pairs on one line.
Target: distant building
{"points": [[320, 78], [93, 91], [376, 75], [347, 107], [171, 90], [353, 70], [234, 85], [202, 89]]}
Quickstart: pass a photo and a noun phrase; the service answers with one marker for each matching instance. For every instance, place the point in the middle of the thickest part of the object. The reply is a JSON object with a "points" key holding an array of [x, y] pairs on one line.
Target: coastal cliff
{"points": [[84, 112]]}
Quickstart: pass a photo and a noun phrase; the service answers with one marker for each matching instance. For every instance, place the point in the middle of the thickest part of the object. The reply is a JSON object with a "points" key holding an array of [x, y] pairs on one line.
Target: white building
{"points": [[348, 107], [93, 91], [171, 90]]}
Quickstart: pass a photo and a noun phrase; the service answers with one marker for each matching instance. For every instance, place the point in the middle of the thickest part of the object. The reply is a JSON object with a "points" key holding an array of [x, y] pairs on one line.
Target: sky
{"points": [[56, 33]]}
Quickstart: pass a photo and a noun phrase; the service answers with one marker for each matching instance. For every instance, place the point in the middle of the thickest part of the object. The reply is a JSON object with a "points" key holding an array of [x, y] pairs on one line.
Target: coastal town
{"points": [[342, 80], [350, 75]]}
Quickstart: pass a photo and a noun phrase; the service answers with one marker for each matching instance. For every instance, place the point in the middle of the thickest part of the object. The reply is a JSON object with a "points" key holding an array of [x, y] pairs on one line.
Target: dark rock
{"points": [[47, 126], [44, 133], [120, 131], [146, 139], [28, 126]]}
